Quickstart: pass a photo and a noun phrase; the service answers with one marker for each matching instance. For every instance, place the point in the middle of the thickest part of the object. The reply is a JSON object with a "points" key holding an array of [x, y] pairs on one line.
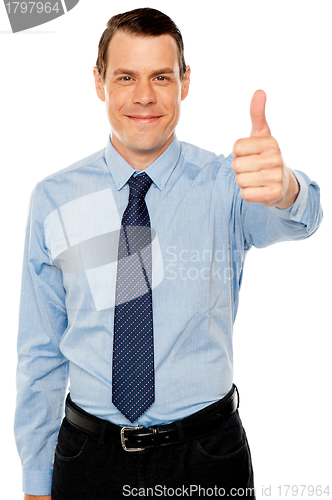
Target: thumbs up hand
{"points": [[261, 173]]}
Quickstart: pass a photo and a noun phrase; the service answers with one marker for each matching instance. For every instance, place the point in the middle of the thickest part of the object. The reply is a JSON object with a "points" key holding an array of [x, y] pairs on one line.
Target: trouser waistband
{"points": [[205, 421]]}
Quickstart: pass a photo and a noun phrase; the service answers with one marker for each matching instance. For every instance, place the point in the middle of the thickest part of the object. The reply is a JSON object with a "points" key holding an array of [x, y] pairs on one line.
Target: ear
{"points": [[185, 84], [99, 84]]}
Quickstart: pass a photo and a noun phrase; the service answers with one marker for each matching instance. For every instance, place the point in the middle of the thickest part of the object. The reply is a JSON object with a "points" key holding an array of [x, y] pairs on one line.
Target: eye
{"points": [[126, 78], [161, 78]]}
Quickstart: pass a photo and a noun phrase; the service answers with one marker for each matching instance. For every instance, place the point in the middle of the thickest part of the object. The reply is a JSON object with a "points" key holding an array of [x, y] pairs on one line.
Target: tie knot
{"points": [[139, 185]]}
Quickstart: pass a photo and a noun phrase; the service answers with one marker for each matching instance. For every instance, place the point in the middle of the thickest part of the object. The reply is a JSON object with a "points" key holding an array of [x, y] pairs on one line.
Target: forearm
{"points": [[264, 226]]}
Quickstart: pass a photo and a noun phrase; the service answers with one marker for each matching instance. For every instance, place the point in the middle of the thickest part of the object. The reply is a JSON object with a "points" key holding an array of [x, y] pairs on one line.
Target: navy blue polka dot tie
{"points": [[133, 360]]}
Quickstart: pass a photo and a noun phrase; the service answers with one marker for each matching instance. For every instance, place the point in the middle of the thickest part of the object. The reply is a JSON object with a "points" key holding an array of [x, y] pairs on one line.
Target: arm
{"points": [[263, 226], [261, 173], [41, 378], [272, 199]]}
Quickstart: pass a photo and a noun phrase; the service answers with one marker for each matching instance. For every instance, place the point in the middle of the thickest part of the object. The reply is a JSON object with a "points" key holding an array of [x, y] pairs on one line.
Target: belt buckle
{"points": [[123, 438]]}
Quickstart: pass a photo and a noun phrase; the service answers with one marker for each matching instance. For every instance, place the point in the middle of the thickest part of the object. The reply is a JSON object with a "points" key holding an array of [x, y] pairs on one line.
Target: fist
{"points": [[261, 173]]}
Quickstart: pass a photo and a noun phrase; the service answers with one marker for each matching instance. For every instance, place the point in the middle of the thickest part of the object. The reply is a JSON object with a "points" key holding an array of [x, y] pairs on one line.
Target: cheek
{"points": [[176, 107], [172, 103], [116, 101]]}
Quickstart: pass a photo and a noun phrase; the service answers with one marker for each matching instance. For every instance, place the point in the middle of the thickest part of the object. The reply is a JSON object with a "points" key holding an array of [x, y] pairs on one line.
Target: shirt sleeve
{"points": [[263, 226], [42, 370]]}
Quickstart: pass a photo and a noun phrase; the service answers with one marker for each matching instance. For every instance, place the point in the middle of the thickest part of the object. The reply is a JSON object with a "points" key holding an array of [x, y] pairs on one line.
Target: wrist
{"points": [[292, 190]]}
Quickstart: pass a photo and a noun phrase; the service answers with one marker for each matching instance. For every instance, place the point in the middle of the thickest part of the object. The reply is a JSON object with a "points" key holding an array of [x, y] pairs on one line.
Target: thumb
{"points": [[257, 115]]}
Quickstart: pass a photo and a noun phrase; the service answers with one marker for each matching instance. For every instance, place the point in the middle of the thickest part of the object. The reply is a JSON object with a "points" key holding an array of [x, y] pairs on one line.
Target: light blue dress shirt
{"points": [[202, 230]]}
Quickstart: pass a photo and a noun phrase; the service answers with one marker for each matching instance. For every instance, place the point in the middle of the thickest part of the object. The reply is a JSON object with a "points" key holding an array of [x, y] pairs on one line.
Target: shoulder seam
{"points": [[77, 163], [197, 163]]}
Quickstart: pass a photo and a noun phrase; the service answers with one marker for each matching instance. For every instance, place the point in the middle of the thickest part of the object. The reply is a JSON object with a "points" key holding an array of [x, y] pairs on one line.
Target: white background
{"points": [[51, 117]]}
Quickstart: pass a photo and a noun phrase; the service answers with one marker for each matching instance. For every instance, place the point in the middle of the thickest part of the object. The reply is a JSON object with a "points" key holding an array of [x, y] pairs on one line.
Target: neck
{"points": [[139, 160]]}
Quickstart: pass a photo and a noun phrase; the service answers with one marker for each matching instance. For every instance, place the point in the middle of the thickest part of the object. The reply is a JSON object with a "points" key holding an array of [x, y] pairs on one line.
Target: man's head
{"points": [[142, 78], [143, 22]]}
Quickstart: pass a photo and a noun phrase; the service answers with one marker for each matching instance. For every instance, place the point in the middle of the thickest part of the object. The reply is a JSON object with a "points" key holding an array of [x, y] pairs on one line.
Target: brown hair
{"points": [[144, 22]]}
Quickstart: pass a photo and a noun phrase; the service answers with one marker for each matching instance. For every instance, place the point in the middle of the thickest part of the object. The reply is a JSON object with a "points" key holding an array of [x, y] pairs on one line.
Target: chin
{"points": [[145, 145]]}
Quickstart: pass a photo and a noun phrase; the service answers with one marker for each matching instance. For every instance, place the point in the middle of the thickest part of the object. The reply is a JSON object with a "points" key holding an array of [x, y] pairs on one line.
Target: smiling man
{"points": [[132, 270], [143, 88]]}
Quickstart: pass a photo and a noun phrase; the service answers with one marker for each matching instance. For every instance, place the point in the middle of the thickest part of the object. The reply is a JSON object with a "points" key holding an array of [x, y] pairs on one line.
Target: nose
{"points": [[144, 93]]}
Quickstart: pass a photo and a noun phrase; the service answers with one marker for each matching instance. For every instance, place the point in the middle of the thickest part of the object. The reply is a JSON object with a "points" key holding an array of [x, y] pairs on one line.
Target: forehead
{"points": [[142, 53]]}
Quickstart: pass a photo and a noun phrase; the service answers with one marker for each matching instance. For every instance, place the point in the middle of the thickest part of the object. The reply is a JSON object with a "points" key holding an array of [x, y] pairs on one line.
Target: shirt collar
{"points": [[159, 171]]}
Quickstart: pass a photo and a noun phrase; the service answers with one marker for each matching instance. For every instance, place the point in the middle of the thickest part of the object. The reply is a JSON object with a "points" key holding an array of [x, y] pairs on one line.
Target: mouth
{"points": [[143, 119]]}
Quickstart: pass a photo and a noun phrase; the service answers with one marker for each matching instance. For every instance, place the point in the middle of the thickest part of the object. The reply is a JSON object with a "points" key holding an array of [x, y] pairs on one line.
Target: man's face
{"points": [[142, 92]]}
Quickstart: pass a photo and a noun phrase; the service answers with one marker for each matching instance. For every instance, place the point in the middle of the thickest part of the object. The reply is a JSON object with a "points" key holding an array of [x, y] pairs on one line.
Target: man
{"points": [[133, 265]]}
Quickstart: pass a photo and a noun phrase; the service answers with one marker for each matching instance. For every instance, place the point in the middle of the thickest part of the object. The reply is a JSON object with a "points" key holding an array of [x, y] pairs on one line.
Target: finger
{"points": [[254, 145], [250, 179], [263, 178], [265, 195], [257, 114], [255, 163], [252, 163]]}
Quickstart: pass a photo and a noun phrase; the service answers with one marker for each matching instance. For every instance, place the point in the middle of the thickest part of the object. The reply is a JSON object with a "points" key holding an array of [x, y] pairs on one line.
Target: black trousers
{"points": [[215, 466]]}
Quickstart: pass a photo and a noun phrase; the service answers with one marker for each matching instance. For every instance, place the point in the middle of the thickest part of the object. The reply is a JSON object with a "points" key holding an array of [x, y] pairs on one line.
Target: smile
{"points": [[143, 119]]}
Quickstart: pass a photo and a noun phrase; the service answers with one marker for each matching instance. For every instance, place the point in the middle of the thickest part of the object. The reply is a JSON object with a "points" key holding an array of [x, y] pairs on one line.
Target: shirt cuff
{"points": [[37, 482], [295, 211]]}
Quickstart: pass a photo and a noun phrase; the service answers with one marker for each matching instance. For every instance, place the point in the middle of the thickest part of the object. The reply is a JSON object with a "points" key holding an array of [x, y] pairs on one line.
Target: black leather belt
{"points": [[139, 438]]}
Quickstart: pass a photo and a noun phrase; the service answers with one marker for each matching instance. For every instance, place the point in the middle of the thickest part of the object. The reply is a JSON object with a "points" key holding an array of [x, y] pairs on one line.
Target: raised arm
{"points": [[261, 173], [271, 202]]}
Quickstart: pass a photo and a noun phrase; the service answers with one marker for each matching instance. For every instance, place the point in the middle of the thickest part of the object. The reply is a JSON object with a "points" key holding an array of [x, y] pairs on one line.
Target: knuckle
{"points": [[238, 146], [273, 160], [280, 176], [272, 143], [275, 193], [245, 193], [236, 164], [239, 180], [274, 176]]}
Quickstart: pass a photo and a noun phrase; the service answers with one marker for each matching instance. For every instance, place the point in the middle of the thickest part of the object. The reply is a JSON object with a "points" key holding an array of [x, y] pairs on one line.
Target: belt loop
{"points": [[155, 436], [180, 430], [238, 395], [102, 433]]}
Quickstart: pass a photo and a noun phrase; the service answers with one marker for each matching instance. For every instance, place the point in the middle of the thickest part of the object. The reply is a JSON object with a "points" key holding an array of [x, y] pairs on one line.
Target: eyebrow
{"points": [[125, 71]]}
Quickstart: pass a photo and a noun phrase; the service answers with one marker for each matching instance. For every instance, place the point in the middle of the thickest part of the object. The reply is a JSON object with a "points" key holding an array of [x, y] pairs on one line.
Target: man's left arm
{"points": [[264, 179]]}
